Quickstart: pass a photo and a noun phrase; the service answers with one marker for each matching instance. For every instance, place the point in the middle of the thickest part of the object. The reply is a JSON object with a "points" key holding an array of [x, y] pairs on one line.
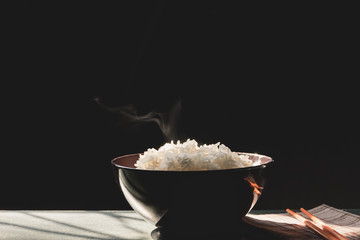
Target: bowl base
{"points": [[161, 234]]}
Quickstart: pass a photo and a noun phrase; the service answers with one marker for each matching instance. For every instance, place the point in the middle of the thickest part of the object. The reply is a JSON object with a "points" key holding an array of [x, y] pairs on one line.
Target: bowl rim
{"points": [[271, 160]]}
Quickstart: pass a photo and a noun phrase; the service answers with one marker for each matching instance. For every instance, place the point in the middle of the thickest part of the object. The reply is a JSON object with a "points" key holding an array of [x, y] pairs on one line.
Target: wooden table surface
{"points": [[79, 225]]}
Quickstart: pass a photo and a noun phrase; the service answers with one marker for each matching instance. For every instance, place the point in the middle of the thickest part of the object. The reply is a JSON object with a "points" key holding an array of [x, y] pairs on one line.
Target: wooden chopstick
{"points": [[324, 225], [312, 226]]}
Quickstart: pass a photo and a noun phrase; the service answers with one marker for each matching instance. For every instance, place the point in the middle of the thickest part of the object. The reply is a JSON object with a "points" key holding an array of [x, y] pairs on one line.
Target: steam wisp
{"points": [[167, 122]]}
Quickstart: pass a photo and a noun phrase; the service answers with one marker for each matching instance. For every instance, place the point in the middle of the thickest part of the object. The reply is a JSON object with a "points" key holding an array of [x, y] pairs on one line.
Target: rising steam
{"points": [[167, 122]]}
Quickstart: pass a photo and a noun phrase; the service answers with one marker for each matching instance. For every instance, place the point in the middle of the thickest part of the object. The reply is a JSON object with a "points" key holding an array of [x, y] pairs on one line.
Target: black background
{"points": [[279, 80]]}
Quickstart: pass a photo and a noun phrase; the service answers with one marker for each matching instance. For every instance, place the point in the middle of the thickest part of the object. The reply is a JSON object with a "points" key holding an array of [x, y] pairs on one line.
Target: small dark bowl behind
{"points": [[184, 202]]}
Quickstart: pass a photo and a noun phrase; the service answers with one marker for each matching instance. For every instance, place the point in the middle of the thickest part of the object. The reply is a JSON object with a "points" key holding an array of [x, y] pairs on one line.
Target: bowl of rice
{"points": [[189, 189]]}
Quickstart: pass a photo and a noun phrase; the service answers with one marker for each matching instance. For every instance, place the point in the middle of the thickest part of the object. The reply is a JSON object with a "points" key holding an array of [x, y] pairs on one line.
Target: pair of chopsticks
{"points": [[324, 230]]}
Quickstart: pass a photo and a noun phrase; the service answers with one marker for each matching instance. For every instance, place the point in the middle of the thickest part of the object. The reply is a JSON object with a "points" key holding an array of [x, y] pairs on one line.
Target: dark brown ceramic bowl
{"points": [[191, 201]]}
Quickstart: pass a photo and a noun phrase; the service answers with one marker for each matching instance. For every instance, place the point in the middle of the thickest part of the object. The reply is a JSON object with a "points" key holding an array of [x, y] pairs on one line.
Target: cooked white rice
{"points": [[188, 156]]}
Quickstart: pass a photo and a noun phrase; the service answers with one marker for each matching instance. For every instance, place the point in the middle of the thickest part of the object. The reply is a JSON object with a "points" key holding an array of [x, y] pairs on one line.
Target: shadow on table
{"points": [[66, 227], [246, 232], [123, 220]]}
